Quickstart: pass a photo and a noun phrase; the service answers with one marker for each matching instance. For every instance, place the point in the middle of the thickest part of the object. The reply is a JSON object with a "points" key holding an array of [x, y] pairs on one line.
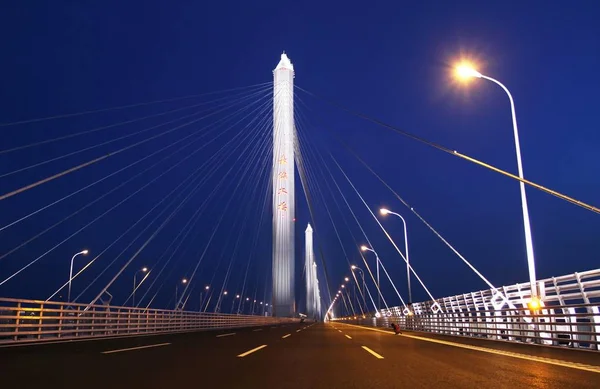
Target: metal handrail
{"points": [[569, 314], [38, 321]]}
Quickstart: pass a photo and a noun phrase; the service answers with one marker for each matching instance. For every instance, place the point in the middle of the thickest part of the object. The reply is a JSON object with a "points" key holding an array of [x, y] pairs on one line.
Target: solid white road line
{"points": [[555, 362], [285, 336], [134, 348], [348, 336], [220, 336], [252, 351], [372, 352], [298, 330]]}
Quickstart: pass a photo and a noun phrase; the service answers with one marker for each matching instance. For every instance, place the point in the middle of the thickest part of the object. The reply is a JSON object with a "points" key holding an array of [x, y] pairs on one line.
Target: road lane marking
{"points": [[373, 353], [285, 336], [220, 336], [252, 351], [339, 330], [298, 330], [348, 336], [134, 348], [550, 361], [258, 329]]}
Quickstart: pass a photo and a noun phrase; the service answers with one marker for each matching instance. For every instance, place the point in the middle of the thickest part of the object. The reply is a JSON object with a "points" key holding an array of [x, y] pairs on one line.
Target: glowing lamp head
{"points": [[84, 252], [339, 291], [384, 211], [237, 296], [343, 286], [534, 303], [225, 293], [207, 287], [364, 248], [144, 269], [346, 279], [466, 71], [184, 281], [353, 267]]}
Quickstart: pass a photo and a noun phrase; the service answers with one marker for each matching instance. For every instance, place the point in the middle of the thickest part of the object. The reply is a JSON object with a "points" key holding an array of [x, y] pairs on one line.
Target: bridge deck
{"points": [[317, 356]]}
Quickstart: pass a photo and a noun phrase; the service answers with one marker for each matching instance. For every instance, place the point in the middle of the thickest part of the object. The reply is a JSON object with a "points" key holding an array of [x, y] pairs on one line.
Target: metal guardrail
{"points": [[568, 316], [37, 321]]}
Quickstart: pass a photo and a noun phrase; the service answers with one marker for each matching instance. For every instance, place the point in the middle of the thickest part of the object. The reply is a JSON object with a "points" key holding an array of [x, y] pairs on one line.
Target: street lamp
{"points": [[346, 279], [466, 71], [84, 252], [365, 248], [384, 212], [183, 281], [225, 293], [143, 270]]}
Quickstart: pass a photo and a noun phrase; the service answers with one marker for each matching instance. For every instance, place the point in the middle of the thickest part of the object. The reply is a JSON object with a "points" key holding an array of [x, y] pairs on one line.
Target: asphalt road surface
{"points": [[295, 356]]}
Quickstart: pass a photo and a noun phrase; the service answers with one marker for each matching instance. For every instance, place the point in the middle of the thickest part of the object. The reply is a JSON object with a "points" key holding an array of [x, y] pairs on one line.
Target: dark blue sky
{"points": [[392, 61]]}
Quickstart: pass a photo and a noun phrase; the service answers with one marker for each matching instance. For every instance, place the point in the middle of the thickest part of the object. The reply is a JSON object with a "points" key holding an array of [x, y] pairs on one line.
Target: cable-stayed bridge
{"points": [[158, 239]]}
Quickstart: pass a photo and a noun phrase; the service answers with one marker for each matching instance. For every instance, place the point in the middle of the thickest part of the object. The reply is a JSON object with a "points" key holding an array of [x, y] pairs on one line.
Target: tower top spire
{"points": [[285, 63], [309, 228]]}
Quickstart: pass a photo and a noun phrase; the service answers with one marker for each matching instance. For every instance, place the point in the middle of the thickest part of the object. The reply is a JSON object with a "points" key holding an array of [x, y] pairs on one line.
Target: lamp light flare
{"points": [[364, 248], [466, 70], [144, 269], [184, 281], [384, 211], [534, 304]]}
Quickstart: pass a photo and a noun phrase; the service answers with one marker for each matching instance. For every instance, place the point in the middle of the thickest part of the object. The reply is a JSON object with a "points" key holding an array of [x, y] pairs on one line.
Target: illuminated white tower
{"points": [[317, 294], [283, 189], [310, 272]]}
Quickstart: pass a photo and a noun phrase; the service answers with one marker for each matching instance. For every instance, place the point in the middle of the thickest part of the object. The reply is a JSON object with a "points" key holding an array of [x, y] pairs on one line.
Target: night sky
{"points": [[392, 61]]}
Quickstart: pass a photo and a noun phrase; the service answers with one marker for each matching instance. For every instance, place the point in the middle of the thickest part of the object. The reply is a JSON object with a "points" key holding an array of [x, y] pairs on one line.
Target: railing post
{"points": [[17, 320], [40, 324], [60, 320], [77, 319]]}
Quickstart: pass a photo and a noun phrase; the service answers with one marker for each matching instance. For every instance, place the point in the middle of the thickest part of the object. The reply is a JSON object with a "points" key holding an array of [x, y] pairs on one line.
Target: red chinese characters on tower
{"points": [[282, 206], [282, 160], [283, 175], [282, 191]]}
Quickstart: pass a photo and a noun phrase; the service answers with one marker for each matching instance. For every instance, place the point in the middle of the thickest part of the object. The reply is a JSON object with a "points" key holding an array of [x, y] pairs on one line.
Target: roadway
{"points": [[294, 356]]}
